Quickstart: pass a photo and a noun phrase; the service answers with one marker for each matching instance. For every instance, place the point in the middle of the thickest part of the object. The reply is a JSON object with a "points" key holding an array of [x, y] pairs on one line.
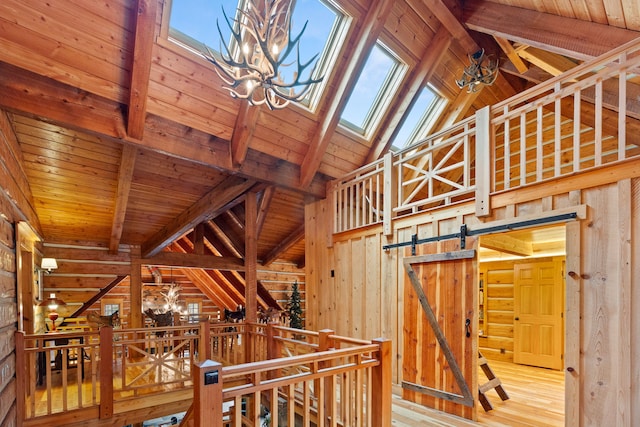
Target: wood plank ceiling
{"points": [[128, 140]]}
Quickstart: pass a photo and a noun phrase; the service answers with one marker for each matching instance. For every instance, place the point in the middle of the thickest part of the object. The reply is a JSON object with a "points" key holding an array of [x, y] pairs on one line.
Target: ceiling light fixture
{"points": [[261, 44], [476, 74], [52, 303]]}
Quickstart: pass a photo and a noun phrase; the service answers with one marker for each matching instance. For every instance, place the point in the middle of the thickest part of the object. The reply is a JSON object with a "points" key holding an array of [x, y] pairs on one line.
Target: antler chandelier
{"points": [[261, 44], [477, 73]]}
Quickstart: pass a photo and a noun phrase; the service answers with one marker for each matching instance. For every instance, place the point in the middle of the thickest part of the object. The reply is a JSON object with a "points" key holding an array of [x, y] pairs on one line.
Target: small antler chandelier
{"points": [[477, 73], [262, 42]]}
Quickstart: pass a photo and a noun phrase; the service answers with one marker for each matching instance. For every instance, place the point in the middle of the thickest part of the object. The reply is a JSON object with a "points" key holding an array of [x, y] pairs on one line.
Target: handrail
{"points": [[584, 119], [116, 360]]}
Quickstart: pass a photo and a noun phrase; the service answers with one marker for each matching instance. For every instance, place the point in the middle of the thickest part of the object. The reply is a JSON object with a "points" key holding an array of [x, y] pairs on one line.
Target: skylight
{"points": [[192, 23], [376, 85], [420, 119]]}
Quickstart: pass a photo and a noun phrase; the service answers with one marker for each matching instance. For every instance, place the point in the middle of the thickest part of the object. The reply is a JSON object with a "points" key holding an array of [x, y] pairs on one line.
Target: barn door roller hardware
{"points": [[464, 231]]}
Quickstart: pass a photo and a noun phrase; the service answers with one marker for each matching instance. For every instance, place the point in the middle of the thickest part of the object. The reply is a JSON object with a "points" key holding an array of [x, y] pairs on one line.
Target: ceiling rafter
{"points": [[145, 23], [363, 41], [552, 63], [125, 176], [263, 207], [230, 244], [210, 279], [37, 96], [512, 54], [216, 201], [544, 30], [408, 95]]}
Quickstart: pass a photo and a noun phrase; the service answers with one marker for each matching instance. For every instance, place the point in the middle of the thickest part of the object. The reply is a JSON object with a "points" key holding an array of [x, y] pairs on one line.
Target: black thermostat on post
{"points": [[211, 377]]}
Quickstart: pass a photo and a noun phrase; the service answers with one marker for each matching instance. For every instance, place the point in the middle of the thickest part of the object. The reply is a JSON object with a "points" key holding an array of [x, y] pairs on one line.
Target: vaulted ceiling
{"points": [[125, 139]]}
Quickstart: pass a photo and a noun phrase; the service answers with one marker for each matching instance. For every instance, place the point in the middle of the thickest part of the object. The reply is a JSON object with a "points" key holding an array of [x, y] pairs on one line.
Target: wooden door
{"points": [[538, 304], [440, 349]]}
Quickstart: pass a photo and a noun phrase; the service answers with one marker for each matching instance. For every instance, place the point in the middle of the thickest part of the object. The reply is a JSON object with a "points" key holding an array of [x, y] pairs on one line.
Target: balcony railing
{"points": [[584, 119], [287, 373]]}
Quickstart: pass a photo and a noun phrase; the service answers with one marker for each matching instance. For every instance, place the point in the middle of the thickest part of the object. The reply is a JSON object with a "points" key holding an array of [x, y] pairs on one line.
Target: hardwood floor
{"points": [[536, 399]]}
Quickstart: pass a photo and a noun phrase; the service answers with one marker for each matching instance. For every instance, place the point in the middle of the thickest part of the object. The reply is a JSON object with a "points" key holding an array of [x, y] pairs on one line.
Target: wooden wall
{"points": [[353, 276], [17, 247]]}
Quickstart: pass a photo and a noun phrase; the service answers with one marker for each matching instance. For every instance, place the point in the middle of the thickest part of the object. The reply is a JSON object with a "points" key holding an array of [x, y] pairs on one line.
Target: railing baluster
{"points": [[622, 110], [577, 124], [557, 132], [598, 126]]}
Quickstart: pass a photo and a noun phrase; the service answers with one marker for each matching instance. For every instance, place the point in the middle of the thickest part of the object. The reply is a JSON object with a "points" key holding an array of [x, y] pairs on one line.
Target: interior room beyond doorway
{"points": [[521, 316]]}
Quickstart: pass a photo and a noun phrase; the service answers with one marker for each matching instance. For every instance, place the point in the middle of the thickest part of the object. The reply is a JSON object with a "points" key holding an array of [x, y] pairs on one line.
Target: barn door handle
{"points": [[467, 324]]}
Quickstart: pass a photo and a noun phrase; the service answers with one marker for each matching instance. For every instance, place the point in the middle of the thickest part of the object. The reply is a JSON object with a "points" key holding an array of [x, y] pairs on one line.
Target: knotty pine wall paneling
{"points": [[602, 342]]}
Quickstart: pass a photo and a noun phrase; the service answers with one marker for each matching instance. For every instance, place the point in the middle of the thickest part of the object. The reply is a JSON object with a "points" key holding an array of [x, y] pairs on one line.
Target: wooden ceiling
{"points": [[127, 139]]}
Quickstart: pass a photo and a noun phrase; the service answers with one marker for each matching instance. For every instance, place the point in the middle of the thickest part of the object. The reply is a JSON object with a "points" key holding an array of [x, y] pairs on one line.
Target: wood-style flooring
{"points": [[536, 399]]}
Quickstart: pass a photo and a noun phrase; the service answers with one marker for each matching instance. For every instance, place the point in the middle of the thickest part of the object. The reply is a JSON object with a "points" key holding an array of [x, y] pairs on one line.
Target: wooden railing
{"points": [[265, 368], [584, 119], [329, 380]]}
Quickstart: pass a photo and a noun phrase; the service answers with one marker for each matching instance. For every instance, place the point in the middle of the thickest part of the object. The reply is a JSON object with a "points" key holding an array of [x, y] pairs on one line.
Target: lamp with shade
{"points": [[48, 264]]}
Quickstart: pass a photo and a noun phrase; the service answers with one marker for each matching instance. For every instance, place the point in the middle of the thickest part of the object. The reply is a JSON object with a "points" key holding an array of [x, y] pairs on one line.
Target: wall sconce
{"points": [[48, 264], [52, 303]]}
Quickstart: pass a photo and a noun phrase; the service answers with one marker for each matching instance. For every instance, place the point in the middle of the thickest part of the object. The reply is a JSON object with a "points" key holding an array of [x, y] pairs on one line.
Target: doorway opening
{"points": [[521, 331]]}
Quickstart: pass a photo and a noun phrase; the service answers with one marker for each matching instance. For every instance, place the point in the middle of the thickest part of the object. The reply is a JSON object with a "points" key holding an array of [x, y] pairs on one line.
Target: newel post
{"points": [[381, 386], [324, 385], [204, 345], [106, 372], [207, 394], [483, 161]]}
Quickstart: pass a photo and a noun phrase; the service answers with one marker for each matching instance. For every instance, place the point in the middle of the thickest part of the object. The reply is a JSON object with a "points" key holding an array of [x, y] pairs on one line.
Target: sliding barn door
{"points": [[440, 349]]}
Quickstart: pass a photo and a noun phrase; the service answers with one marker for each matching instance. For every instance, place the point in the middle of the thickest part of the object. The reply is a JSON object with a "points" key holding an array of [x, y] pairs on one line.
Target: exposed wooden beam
{"points": [[544, 30], [363, 41], [394, 118], [550, 62], [507, 244], [243, 131], [198, 239], [185, 260], [125, 175], [263, 208], [511, 53], [145, 24], [282, 247], [210, 288], [209, 206], [225, 282], [230, 244], [40, 97], [453, 25]]}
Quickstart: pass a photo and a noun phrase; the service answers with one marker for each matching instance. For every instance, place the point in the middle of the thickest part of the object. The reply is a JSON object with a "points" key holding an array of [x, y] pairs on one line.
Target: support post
{"points": [[381, 378], [207, 394], [106, 372]]}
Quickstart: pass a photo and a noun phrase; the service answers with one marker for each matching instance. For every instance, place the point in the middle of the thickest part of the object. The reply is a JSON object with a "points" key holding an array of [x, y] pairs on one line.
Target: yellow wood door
{"points": [[538, 307], [440, 350]]}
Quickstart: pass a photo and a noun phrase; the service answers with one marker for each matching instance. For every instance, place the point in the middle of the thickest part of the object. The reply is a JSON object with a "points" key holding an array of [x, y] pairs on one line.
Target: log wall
{"points": [[349, 276], [15, 208]]}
